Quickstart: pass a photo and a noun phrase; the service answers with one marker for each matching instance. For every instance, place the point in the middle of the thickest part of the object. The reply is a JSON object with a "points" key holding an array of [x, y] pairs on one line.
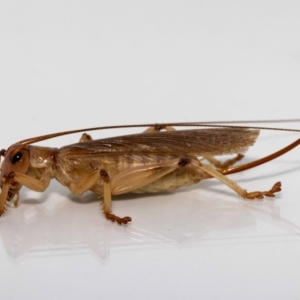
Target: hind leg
{"points": [[87, 138], [198, 168], [226, 164]]}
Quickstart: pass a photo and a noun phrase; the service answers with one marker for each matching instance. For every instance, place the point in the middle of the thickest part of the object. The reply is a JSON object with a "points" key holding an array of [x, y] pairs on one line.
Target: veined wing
{"points": [[193, 142]]}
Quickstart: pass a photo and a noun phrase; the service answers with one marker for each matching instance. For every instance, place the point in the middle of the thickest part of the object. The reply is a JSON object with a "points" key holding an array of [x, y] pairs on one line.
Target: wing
{"points": [[197, 142]]}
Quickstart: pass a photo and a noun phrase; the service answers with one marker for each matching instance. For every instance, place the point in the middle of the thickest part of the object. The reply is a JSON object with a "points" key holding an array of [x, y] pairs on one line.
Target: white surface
{"points": [[74, 64]]}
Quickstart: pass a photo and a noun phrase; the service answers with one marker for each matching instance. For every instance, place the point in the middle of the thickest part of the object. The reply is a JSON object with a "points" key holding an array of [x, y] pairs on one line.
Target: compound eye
{"points": [[16, 157]]}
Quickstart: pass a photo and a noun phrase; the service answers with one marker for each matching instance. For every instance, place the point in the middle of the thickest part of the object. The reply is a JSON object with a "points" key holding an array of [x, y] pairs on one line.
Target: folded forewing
{"points": [[199, 142]]}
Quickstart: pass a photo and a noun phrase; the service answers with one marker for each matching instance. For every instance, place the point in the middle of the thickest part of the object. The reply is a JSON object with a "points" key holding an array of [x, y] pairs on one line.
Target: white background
{"points": [[75, 64]]}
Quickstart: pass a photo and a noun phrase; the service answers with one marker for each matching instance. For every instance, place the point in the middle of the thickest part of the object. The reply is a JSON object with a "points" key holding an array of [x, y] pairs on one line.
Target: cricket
{"points": [[155, 160]]}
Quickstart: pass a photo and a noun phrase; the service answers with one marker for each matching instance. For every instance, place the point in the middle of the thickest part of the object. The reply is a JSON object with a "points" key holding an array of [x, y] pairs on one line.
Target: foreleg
{"points": [[38, 185]]}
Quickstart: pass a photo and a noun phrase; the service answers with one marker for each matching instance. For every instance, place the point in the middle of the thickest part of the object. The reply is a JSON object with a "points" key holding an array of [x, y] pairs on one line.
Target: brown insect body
{"points": [[118, 154], [147, 162]]}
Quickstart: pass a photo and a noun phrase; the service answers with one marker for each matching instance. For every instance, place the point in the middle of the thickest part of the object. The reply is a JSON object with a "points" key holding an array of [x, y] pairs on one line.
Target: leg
{"points": [[4, 193], [159, 128], [243, 193], [107, 200], [135, 178], [124, 182], [38, 185], [225, 164], [85, 138], [88, 182]]}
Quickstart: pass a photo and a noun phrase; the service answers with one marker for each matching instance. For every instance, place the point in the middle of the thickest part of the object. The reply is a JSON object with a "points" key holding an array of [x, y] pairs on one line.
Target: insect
{"points": [[151, 161]]}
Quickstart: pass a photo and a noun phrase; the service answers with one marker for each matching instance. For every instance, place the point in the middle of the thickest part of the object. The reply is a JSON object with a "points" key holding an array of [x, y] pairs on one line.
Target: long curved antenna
{"points": [[190, 124], [255, 121], [262, 160]]}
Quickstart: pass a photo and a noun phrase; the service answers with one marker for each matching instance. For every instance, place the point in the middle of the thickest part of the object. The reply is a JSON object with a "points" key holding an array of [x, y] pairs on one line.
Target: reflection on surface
{"points": [[68, 226]]}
